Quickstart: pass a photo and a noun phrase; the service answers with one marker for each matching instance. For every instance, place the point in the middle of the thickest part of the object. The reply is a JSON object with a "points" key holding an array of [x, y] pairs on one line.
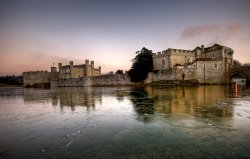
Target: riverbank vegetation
{"points": [[11, 80]]}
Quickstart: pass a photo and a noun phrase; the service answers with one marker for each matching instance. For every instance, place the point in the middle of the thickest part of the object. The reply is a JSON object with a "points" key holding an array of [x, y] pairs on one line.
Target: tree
{"points": [[236, 63], [246, 65], [120, 72], [110, 73], [142, 65]]}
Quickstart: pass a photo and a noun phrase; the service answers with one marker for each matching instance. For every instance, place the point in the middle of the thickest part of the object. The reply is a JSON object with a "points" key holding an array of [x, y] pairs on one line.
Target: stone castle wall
{"points": [[105, 80], [36, 77], [210, 74], [39, 78]]}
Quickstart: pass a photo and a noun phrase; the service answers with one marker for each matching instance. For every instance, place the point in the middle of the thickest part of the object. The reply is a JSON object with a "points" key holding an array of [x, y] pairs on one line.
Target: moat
{"points": [[124, 122]]}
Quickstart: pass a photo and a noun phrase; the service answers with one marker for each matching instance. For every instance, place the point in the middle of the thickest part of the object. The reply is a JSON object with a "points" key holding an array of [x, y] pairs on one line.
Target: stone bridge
{"points": [[239, 72]]}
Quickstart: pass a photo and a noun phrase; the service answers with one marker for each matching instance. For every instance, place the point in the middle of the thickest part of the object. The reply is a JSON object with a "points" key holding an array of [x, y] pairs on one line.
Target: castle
{"points": [[78, 71], [206, 65], [46, 79]]}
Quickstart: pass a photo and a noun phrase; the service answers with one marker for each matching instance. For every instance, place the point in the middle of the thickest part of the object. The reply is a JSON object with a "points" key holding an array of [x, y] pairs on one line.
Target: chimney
{"points": [[202, 49], [59, 65]]}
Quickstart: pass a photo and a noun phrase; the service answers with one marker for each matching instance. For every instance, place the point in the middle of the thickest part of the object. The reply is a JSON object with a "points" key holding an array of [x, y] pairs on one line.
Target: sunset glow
{"points": [[36, 34]]}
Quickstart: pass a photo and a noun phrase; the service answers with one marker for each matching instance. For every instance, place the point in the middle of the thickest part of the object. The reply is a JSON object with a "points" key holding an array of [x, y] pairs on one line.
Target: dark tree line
{"points": [[11, 80], [237, 63]]}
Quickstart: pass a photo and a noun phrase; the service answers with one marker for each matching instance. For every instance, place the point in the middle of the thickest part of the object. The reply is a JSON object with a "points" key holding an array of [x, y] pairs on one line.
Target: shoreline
{"points": [[7, 85]]}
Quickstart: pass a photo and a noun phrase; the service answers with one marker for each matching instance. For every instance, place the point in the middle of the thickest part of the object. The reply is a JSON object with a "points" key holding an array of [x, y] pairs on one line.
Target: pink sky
{"points": [[33, 36]]}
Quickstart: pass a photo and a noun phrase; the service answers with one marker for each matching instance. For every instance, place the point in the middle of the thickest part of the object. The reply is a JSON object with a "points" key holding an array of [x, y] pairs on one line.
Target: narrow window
{"points": [[216, 66], [204, 65], [163, 62], [213, 56]]}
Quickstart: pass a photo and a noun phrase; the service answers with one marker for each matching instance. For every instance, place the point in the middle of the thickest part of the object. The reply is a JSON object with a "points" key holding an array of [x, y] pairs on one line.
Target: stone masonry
{"points": [[209, 65]]}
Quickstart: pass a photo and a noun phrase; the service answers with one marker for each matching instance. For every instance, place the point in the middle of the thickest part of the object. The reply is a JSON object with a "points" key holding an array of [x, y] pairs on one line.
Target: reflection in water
{"points": [[199, 101], [124, 122], [143, 104], [65, 97], [205, 101]]}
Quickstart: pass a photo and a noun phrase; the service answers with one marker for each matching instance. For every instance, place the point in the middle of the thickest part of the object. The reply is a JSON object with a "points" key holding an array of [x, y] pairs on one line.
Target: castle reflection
{"points": [[73, 97], [205, 101], [69, 97]]}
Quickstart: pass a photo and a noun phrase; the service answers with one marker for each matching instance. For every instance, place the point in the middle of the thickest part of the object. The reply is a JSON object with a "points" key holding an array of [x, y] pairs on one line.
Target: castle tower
{"points": [[53, 69], [59, 67], [87, 67], [71, 64], [92, 68], [71, 68], [100, 70]]}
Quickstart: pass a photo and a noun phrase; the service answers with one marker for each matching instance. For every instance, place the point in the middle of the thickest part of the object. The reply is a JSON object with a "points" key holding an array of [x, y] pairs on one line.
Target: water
{"points": [[123, 122]]}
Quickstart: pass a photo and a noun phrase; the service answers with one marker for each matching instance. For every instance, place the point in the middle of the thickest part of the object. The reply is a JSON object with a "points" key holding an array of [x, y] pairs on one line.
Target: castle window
{"points": [[204, 65], [213, 56], [215, 66], [163, 62]]}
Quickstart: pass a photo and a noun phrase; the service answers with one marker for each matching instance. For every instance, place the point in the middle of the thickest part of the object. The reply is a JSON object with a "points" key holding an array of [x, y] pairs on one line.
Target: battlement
{"points": [[172, 51], [35, 72], [181, 51]]}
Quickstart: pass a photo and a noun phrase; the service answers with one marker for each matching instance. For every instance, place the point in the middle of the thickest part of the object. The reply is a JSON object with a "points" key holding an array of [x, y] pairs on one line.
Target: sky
{"points": [[34, 34]]}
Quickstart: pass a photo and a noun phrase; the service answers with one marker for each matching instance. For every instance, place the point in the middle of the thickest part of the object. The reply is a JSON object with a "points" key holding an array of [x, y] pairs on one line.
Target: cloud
{"points": [[228, 32], [211, 34], [192, 32]]}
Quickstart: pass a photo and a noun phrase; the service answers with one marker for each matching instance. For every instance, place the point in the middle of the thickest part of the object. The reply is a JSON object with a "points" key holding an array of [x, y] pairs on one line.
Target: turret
{"points": [[86, 61], [53, 69], [59, 66], [92, 68], [87, 67], [202, 49], [100, 70], [71, 63]]}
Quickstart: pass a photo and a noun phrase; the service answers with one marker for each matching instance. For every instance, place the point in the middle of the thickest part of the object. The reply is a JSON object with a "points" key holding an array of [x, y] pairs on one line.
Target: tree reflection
{"points": [[143, 104]]}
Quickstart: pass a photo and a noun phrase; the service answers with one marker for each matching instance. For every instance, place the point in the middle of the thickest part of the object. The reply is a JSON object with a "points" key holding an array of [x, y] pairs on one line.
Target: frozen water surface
{"points": [[124, 122]]}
